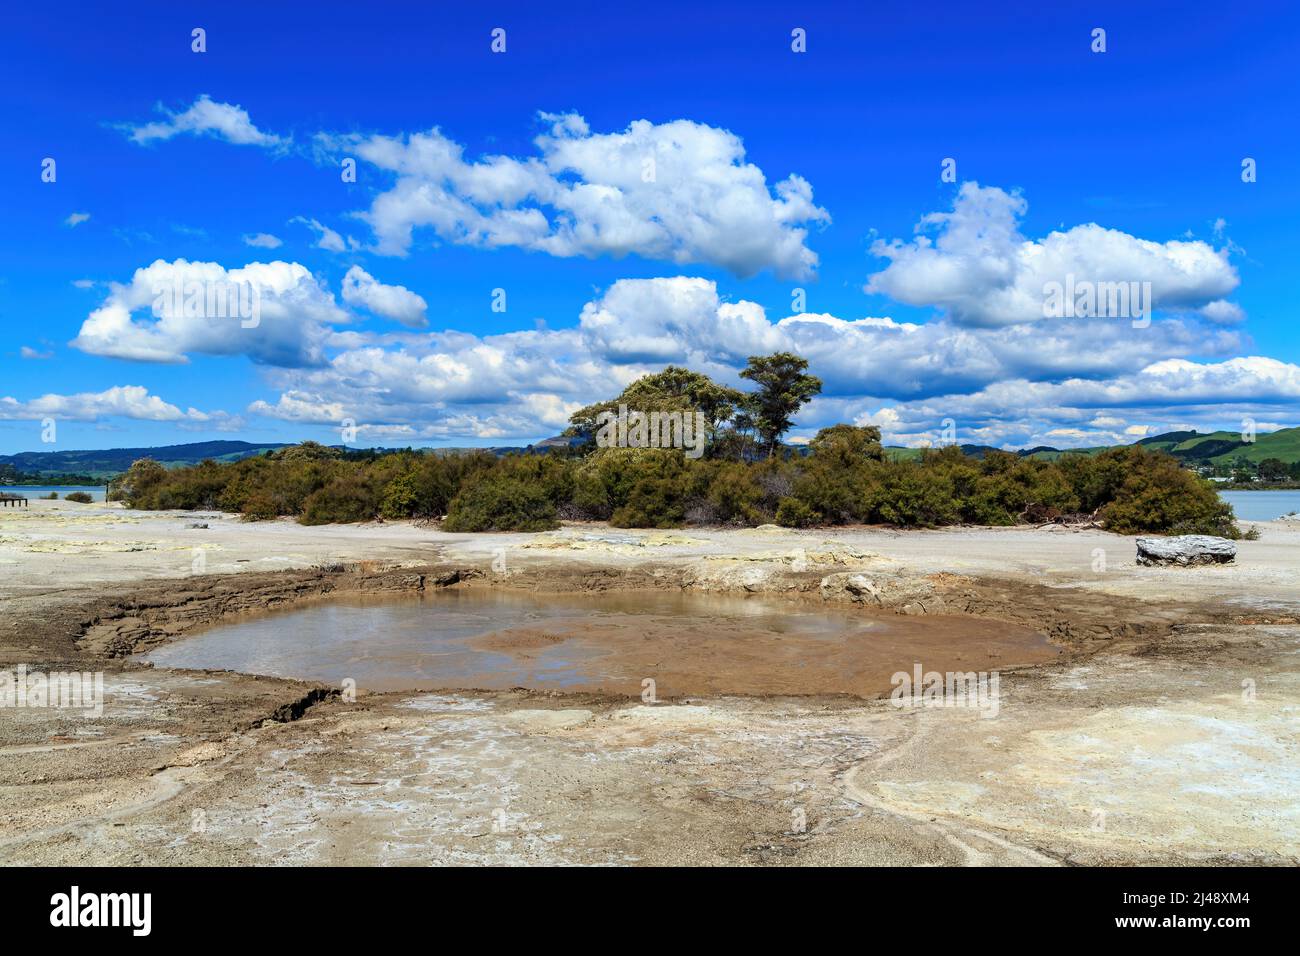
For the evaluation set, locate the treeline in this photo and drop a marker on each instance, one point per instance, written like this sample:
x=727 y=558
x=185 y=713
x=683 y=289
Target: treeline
x=1271 y=471
x=746 y=477
x=9 y=475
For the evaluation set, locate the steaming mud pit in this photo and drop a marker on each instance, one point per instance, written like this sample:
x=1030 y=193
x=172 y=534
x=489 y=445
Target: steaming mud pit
x=689 y=645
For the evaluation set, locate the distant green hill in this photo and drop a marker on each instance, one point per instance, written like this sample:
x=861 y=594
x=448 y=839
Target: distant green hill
x=1168 y=440
x=112 y=461
x=1284 y=444
x=1047 y=453
x=1224 y=447
x=899 y=453
x=1194 y=448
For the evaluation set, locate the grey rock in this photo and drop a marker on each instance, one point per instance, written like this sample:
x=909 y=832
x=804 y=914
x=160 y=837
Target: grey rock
x=860 y=584
x=1185 y=550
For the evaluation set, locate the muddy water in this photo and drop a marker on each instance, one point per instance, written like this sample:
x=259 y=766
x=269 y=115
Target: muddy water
x=687 y=644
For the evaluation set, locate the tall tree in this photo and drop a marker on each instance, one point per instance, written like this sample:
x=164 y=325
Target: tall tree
x=784 y=387
x=673 y=389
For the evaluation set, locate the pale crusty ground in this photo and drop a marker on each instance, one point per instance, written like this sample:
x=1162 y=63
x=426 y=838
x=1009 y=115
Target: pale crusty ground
x=111 y=544
x=1185 y=751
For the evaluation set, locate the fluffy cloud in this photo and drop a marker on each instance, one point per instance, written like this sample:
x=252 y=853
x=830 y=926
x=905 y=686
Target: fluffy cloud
x=1223 y=312
x=329 y=240
x=981 y=271
x=1013 y=383
x=76 y=219
x=1082 y=381
x=1164 y=396
x=274 y=312
x=205 y=117
x=394 y=302
x=682 y=319
x=124 y=401
x=677 y=191
x=263 y=240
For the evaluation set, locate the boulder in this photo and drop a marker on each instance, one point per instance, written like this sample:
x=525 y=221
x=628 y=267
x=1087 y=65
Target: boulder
x=859 y=585
x=1185 y=550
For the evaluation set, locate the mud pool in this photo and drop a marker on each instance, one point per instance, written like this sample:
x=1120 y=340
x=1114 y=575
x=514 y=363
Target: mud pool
x=687 y=644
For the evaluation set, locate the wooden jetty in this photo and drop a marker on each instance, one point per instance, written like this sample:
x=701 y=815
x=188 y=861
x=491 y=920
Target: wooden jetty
x=7 y=500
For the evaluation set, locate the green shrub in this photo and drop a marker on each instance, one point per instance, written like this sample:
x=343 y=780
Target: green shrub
x=501 y=503
x=1162 y=496
x=345 y=500
x=403 y=498
x=80 y=497
x=258 y=507
x=910 y=494
x=618 y=470
x=793 y=513
x=652 y=503
x=143 y=478
x=590 y=499
x=736 y=495
x=842 y=466
x=435 y=479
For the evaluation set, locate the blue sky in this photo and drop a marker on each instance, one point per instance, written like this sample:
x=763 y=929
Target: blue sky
x=774 y=171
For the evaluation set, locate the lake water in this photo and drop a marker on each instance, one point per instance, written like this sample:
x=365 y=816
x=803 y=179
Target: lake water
x=1262 y=505
x=39 y=491
x=687 y=644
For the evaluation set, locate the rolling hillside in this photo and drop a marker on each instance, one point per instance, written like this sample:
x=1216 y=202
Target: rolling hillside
x=1284 y=444
x=1224 y=447
x=112 y=461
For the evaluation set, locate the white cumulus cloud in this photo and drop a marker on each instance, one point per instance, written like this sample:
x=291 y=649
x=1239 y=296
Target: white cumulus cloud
x=205 y=117
x=125 y=401
x=391 y=301
x=263 y=240
x=679 y=191
x=1083 y=375
x=980 y=270
x=146 y=320
x=329 y=240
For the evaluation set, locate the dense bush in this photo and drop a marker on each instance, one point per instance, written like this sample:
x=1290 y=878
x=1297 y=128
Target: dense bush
x=844 y=477
x=501 y=503
x=793 y=513
x=347 y=498
x=835 y=483
x=80 y=497
x=1158 y=494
